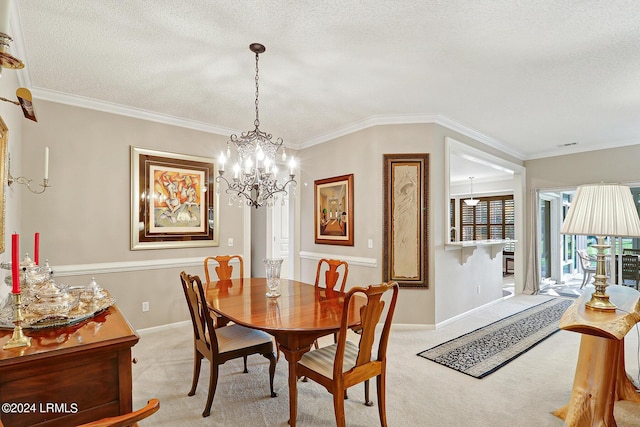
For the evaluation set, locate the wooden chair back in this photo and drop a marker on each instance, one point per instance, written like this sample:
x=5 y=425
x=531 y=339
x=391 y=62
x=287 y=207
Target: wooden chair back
x=370 y=315
x=203 y=326
x=223 y=269
x=130 y=419
x=333 y=269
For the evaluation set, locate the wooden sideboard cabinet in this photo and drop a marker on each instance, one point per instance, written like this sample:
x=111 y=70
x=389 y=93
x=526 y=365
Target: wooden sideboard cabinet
x=69 y=375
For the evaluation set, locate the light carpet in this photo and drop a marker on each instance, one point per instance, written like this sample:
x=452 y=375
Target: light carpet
x=522 y=394
x=487 y=349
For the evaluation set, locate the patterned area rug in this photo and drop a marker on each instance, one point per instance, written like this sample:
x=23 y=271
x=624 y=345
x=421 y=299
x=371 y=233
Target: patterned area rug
x=487 y=349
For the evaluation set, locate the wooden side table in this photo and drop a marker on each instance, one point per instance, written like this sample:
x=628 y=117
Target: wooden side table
x=600 y=379
x=69 y=375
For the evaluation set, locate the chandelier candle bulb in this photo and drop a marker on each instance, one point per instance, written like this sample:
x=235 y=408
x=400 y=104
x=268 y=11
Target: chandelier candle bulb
x=221 y=162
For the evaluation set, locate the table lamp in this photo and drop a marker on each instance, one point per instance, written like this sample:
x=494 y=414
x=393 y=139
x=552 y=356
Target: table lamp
x=602 y=210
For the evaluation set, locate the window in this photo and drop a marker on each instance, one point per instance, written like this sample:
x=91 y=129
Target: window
x=491 y=218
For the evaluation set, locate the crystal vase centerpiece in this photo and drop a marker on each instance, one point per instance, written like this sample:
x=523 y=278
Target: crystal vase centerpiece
x=272 y=267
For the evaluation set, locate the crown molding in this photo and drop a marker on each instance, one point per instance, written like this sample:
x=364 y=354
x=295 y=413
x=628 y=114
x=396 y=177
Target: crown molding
x=414 y=119
x=113 y=108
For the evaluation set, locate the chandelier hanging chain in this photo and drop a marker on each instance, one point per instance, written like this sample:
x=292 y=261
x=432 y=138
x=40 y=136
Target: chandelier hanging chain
x=257 y=121
x=255 y=175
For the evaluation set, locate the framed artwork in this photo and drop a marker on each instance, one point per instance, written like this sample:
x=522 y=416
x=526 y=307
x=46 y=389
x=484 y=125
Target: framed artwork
x=173 y=202
x=4 y=141
x=334 y=210
x=406 y=212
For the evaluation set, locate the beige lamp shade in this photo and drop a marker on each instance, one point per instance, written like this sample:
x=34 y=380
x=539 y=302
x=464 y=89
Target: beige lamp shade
x=602 y=210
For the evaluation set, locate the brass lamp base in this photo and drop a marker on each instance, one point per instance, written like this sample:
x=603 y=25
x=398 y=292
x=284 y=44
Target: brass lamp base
x=600 y=301
x=599 y=298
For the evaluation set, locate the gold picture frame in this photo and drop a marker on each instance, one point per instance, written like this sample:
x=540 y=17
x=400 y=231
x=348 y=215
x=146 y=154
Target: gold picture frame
x=173 y=200
x=4 y=143
x=406 y=214
x=333 y=202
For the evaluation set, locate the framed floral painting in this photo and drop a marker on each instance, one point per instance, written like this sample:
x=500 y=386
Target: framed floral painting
x=173 y=203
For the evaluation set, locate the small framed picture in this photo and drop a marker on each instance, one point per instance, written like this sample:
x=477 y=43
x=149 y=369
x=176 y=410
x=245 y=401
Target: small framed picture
x=334 y=210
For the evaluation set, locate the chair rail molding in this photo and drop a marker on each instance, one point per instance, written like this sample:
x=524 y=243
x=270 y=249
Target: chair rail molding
x=352 y=260
x=124 y=266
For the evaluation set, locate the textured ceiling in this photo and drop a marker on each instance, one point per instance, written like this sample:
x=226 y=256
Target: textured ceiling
x=526 y=77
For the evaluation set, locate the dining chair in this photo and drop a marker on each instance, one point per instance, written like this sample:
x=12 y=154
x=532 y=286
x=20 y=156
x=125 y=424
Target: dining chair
x=631 y=268
x=220 y=344
x=130 y=419
x=341 y=365
x=587 y=264
x=333 y=269
x=223 y=269
x=332 y=273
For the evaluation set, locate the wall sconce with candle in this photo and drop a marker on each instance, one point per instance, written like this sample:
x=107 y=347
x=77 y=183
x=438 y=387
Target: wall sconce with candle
x=26 y=181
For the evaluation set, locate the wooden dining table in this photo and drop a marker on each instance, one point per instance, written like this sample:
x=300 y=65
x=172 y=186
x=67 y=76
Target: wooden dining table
x=300 y=315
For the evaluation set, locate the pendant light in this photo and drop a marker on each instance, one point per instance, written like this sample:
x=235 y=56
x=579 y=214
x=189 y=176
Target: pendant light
x=471 y=201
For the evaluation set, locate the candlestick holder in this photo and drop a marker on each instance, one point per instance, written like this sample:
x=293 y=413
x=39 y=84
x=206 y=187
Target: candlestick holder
x=18 y=339
x=26 y=181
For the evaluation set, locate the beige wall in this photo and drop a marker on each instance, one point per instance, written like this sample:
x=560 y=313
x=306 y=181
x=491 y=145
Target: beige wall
x=84 y=218
x=610 y=165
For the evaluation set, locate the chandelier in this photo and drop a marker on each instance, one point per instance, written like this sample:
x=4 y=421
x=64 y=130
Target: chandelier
x=255 y=174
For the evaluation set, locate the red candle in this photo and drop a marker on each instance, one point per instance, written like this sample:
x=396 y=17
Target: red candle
x=15 y=263
x=36 y=249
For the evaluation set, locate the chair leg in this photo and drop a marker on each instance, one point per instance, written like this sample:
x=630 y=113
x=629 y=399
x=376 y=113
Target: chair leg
x=197 y=360
x=584 y=279
x=338 y=408
x=245 y=364
x=382 y=409
x=272 y=370
x=213 y=382
x=367 y=401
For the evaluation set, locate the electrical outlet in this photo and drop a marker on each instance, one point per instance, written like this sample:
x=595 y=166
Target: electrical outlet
x=478 y=288
x=230 y=241
x=145 y=306
x=370 y=243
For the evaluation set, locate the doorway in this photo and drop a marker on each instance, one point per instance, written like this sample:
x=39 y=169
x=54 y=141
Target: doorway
x=272 y=233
